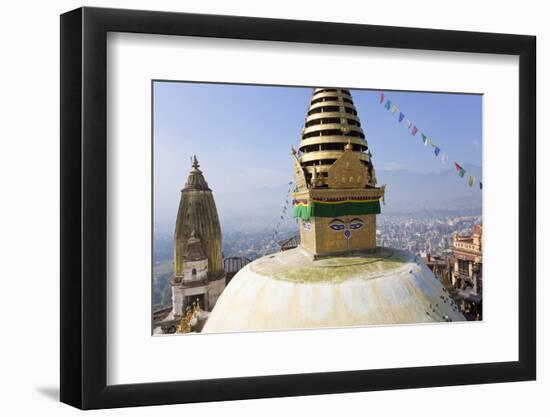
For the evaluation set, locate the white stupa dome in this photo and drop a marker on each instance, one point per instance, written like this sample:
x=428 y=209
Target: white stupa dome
x=291 y=290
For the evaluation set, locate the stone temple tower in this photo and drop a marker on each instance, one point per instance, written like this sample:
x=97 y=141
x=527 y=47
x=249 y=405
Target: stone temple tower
x=198 y=263
x=336 y=197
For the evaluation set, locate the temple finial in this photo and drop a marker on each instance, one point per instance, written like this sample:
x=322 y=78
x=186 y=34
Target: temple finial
x=195 y=162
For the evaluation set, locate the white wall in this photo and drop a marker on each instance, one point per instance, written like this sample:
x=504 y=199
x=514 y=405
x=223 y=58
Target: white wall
x=29 y=176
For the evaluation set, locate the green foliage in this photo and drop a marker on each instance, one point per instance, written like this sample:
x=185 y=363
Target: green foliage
x=162 y=272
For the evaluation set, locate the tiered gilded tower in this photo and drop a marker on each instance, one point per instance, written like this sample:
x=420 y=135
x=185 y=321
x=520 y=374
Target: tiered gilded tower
x=198 y=263
x=336 y=197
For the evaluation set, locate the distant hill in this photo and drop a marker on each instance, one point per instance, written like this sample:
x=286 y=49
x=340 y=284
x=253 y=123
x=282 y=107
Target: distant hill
x=408 y=191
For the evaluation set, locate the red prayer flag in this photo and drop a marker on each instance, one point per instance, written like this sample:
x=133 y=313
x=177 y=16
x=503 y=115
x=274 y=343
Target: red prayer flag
x=414 y=130
x=381 y=97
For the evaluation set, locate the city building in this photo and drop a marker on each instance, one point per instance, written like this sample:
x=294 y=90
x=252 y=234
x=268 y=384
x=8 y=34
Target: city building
x=232 y=265
x=440 y=266
x=337 y=276
x=199 y=275
x=467 y=275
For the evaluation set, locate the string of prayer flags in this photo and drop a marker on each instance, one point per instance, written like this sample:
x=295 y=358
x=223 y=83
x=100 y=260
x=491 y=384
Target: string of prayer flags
x=427 y=141
x=281 y=218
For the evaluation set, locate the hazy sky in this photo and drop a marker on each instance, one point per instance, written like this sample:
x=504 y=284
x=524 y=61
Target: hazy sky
x=242 y=135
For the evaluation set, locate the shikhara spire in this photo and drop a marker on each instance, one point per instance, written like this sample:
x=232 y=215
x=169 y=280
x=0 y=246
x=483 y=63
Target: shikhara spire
x=198 y=262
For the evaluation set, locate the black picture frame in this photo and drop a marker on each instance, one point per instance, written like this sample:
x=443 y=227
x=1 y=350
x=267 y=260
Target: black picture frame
x=84 y=207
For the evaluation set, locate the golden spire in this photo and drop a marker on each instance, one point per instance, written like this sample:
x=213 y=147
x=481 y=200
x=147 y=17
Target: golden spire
x=336 y=195
x=332 y=126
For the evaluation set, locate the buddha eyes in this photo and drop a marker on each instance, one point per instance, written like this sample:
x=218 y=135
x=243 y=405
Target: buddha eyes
x=338 y=225
x=356 y=224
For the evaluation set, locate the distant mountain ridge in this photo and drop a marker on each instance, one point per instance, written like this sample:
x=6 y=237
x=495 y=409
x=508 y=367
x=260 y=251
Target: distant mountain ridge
x=406 y=192
x=443 y=190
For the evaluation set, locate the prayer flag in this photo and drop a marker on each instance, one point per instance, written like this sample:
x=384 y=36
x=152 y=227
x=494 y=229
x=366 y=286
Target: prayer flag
x=290 y=183
x=461 y=171
x=401 y=116
x=436 y=151
x=381 y=97
x=444 y=158
x=480 y=185
x=394 y=109
x=409 y=124
x=471 y=180
x=414 y=130
x=388 y=105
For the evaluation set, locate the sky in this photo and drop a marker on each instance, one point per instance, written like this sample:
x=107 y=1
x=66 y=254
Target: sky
x=242 y=136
